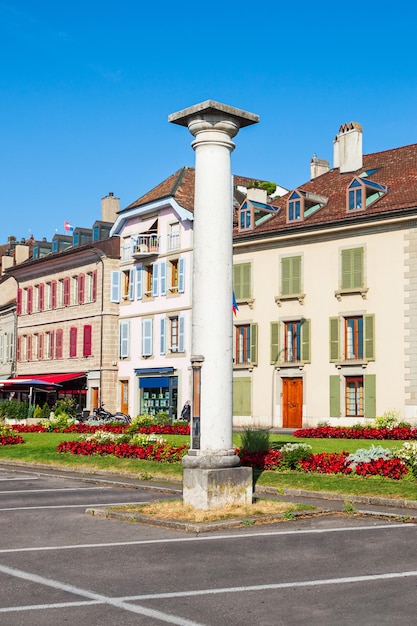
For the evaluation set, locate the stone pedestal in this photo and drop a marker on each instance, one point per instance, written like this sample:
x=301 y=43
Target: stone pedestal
x=209 y=489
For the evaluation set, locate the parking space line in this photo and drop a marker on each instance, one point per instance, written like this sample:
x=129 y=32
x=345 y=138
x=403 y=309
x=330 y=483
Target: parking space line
x=71 y=506
x=96 y=598
x=231 y=536
x=51 y=490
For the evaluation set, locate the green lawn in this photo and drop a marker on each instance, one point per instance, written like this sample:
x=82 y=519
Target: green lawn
x=41 y=448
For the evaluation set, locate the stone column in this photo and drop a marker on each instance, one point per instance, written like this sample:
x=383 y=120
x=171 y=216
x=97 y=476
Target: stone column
x=213 y=125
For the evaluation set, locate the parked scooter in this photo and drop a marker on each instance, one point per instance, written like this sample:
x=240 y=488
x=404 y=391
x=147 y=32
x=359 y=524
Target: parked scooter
x=105 y=416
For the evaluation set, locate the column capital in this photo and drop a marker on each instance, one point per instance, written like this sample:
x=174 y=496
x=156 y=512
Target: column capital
x=214 y=113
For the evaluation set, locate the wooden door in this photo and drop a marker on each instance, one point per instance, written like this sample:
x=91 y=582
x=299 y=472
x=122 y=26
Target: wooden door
x=292 y=402
x=124 y=399
x=94 y=398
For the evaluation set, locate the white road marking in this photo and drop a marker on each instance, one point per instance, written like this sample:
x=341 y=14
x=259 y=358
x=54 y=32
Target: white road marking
x=97 y=598
x=53 y=490
x=185 y=539
x=19 y=478
x=72 y=506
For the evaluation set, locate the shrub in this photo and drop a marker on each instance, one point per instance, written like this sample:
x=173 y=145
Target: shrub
x=58 y=423
x=254 y=441
x=388 y=420
x=14 y=410
x=66 y=406
x=292 y=453
x=367 y=455
x=408 y=454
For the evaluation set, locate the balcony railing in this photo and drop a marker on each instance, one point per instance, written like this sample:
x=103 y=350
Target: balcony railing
x=144 y=245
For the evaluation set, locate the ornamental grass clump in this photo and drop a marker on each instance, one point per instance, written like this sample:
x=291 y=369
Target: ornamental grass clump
x=254 y=447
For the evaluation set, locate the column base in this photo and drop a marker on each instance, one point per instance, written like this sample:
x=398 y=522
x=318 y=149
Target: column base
x=208 y=489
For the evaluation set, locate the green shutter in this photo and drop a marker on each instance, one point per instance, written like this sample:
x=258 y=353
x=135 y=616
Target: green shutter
x=369 y=337
x=274 y=354
x=296 y=274
x=242 y=281
x=241 y=396
x=290 y=276
x=334 y=396
x=352 y=268
x=254 y=344
x=305 y=341
x=370 y=395
x=334 y=339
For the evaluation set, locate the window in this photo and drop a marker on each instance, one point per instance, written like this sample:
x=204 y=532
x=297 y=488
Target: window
x=40 y=347
x=242 y=281
x=354 y=397
x=29 y=348
x=174 y=236
x=151 y=280
x=362 y=193
x=87 y=340
x=127 y=284
x=124 y=339
x=302 y=204
x=49 y=346
x=89 y=287
x=246 y=336
x=147 y=338
x=358 y=338
x=176 y=269
x=73 y=342
x=290 y=342
x=245 y=218
x=75 y=290
x=176 y=327
x=290 y=276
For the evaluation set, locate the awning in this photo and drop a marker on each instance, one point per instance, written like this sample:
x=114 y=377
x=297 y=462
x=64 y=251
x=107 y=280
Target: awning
x=27 y=382
x=55 y=378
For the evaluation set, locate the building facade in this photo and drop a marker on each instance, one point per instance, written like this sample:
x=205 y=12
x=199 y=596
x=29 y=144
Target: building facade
x=326 y=289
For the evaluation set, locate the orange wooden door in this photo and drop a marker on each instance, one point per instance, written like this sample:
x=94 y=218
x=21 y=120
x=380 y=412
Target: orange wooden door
x=292 y=401
x=94 y=398
x=124 y=400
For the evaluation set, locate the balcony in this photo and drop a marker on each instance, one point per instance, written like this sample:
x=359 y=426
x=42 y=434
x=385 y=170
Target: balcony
x=144 y=245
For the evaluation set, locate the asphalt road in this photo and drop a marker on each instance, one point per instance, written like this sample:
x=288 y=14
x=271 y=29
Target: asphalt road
x=59 y=565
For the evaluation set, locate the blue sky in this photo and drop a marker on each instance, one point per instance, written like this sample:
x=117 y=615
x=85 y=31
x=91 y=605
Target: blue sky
x=87 y=87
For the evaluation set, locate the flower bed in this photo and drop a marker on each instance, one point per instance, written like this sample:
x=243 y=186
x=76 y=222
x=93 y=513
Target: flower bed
x=8 y=440
x=160 y=452
x=338 y=432
x=169 y=429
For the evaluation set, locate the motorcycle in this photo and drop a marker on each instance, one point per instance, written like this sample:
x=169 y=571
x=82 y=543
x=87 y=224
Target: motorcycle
x=105 y=416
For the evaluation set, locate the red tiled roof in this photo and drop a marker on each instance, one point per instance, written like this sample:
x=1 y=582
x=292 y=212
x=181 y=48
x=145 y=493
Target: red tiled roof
x=397 y=169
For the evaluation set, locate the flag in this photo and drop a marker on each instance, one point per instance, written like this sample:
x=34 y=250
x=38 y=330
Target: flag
x=234 y=305
x=68 y=228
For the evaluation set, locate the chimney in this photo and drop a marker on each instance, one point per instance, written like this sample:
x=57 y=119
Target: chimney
x=110 y=208
x=21 y=253
x=318 y=167
x=257 y=194
x=347 y=154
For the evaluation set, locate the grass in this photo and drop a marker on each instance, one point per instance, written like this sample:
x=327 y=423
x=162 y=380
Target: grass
x=176 y=510
x=41 y=448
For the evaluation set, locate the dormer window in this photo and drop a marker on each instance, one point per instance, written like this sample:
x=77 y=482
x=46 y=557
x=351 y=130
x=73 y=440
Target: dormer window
x=361 y=193
x=245 y=219
x=302 y=204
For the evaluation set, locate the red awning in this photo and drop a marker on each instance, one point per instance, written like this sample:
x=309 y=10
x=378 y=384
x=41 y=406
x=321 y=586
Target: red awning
x=56 y=378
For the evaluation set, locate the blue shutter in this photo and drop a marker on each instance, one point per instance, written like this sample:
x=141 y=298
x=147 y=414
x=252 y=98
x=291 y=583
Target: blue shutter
x=124 y=339
x=162 y=342
x=163 y=278
x=131 y=283
x=155 y=279
x=147 y=337
x=115 y=286
x=181 y=278
x=181 y=333
x=139 y=282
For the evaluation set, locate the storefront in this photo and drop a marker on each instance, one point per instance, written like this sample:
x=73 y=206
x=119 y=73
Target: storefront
x=158 y=391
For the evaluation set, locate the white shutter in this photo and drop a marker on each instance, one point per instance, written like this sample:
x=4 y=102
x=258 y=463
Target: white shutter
x=163 y=278
x=115 y=286
x=155 y=280
x=139 y=282
x=124 y=339
x=162 y=341
x=181 y=333
x=147 y=337
x=181 y=275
